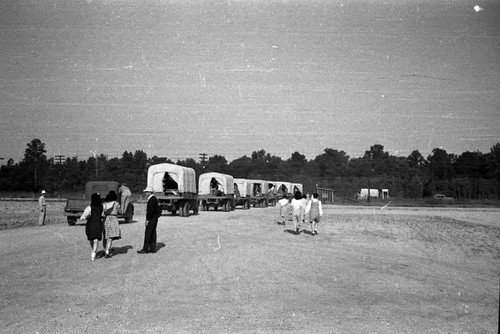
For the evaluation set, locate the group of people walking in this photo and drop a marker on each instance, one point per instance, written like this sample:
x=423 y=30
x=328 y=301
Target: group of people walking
x=302 y=207
x=102 y=222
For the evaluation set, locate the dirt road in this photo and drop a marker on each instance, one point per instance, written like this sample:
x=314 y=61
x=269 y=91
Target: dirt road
x=368 y=271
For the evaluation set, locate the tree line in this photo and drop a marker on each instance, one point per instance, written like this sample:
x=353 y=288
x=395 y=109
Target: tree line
x=470 y=175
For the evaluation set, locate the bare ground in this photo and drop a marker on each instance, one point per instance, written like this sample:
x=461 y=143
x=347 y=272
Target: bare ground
x=369 y=270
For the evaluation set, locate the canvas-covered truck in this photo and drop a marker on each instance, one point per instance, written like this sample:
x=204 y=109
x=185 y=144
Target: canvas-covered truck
x=258 y=195
x=75 y=206
x=216 y=190
x=272 y=197
x=175 y=188
x=242 y=193
x=283 y=189
x=297 y=187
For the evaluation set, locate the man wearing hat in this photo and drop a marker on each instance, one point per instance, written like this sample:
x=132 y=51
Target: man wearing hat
x=153 y=212
x=42 y=207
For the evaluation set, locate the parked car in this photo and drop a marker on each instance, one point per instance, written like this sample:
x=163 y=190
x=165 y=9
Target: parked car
x=442 y=197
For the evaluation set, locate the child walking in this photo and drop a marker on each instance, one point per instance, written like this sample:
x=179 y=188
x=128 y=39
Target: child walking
x=297 y=210
x=315 y=211
x=283 y=204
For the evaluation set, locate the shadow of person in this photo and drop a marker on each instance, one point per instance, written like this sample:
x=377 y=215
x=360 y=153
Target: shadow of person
x=308 y=232
x=159 y=245
x=124 y=222
x=292 y=231
x=121 y=250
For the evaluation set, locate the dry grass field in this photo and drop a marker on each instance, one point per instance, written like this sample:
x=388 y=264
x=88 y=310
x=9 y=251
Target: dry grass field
x=370 y=270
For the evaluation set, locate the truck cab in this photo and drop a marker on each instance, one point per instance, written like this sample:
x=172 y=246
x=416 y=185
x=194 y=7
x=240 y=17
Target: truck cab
x=75 y=206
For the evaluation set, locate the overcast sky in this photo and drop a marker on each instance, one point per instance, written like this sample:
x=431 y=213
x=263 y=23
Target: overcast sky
x=180 y=78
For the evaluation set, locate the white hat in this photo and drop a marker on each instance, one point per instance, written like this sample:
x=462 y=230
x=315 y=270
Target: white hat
x=148 y=189
x=43 y=191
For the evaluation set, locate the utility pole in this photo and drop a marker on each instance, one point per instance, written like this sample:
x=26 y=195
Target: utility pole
x=95 y=157
x=59 y=158
x=203 y=159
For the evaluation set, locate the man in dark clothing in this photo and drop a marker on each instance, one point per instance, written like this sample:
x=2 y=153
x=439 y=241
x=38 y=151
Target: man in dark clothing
x=153 y=212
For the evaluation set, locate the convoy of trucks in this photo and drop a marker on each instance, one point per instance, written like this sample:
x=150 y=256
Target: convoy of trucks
x=177 y=191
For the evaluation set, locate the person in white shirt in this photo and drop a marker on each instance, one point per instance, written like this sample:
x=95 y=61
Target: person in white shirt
x=42 y=208
x=283 y=204
x=315 y=211
x=297 y=209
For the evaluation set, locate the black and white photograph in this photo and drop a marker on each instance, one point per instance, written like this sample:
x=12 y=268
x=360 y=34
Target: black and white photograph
x=249 y=166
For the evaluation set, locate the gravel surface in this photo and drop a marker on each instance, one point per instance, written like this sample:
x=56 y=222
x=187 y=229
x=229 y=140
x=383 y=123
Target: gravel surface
x=370 y=270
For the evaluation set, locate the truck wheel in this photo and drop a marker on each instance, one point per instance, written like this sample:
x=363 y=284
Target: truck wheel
x=185 y=209
x=174 y=212
x=225 y=206
x=246 y=205
x=129 y=214
x=71 y=221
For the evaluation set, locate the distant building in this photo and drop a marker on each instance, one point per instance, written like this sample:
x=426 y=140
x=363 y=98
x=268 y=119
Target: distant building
x=374 y=193
x=325 y=195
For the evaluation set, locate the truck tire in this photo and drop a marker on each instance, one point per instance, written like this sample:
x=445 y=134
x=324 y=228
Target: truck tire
x=129 y=214
x=184 y=210
x=71 y=221
x=226 y=206
x=246 y=205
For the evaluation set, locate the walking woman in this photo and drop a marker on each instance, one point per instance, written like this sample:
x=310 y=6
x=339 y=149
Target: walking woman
x=93 y=227
x=111 y=208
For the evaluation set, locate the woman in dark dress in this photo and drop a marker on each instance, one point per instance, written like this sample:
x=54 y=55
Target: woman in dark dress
x=94 y=227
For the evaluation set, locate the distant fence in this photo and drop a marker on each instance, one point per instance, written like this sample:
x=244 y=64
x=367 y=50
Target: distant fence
x=325 y=195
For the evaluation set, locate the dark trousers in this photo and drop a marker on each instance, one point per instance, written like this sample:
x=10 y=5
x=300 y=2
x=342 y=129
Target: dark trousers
x=150 y=236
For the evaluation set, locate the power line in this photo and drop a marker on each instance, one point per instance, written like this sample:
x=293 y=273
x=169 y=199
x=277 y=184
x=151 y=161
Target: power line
x=203 y=159
x=59 y=158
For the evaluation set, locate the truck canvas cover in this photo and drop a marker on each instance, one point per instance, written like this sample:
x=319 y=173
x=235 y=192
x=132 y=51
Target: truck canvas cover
x=298 y=186
x=244 y=187
x=184 y=176
x=226 y=182
x=263 y=185
x=278 y=186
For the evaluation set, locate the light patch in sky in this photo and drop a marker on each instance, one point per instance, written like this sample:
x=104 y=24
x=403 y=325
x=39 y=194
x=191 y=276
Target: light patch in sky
x=176 y=79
